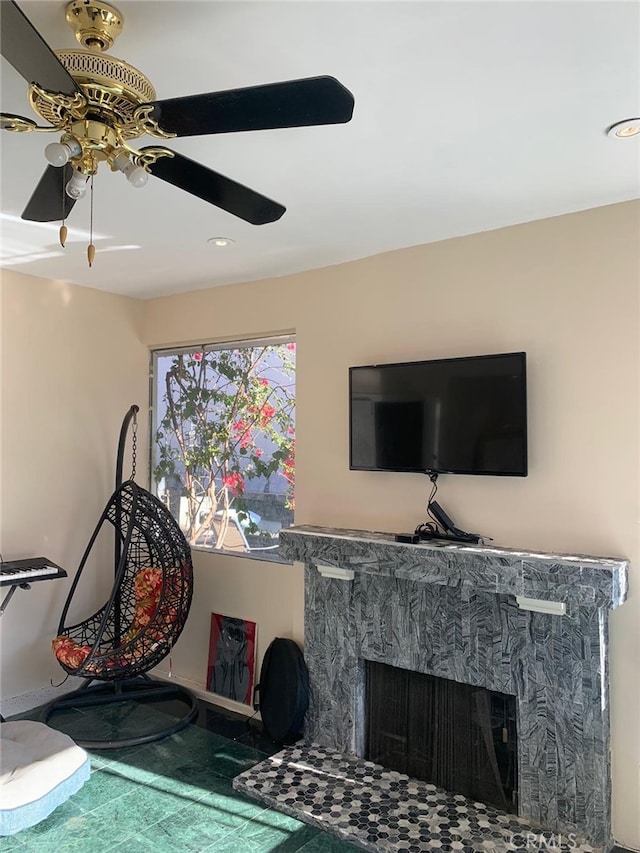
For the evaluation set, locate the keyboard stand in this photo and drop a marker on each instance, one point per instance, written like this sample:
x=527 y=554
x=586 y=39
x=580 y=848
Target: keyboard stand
x=23 y=578
x=17 y=574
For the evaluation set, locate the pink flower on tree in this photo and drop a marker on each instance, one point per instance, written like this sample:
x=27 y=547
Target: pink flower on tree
x=234 y=482
x=266 y=413
x=288 y=468
x=242 y=429
x=197 y=356
x=288 y=472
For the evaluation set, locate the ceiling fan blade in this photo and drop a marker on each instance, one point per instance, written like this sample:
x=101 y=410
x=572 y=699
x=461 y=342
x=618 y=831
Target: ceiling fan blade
x=293 y=103
x=49 y=201
x=214 y=188
x=23 y=46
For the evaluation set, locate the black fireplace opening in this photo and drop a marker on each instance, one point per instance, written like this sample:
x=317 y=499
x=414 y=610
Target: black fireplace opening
x=457 y=736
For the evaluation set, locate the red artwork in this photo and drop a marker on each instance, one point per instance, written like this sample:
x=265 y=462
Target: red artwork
x=232 y=658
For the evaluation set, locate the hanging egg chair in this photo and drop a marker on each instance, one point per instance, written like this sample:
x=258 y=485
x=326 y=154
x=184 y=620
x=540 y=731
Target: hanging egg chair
x=136 y=628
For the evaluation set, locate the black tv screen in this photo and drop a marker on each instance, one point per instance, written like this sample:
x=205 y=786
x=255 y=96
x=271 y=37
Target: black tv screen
x=452 y=415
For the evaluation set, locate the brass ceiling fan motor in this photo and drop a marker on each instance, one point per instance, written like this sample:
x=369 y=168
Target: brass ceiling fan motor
x=113 y=88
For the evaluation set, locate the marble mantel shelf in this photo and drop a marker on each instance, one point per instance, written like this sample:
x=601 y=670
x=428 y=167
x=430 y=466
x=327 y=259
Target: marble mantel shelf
x=577 y=579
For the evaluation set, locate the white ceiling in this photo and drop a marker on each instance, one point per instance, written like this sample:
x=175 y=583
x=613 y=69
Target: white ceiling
x=469 y=116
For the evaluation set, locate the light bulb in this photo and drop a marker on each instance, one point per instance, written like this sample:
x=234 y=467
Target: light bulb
x=77 y=186
x=59 y=153
x=625 y=129
x=631 y=130
x=136 y=175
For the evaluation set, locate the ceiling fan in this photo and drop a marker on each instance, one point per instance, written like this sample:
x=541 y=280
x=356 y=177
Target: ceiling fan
x=97 y=104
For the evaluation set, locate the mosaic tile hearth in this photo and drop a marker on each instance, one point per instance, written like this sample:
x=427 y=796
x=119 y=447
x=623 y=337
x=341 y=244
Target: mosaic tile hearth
x=387 y=812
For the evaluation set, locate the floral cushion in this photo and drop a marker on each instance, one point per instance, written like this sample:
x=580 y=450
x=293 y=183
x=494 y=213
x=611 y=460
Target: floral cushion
x=148 y=589
x=70 y=653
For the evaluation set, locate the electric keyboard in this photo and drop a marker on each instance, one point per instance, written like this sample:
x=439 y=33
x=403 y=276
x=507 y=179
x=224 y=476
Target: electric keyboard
x=13 y=572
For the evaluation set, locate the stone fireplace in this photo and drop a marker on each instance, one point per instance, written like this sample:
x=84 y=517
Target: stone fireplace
x=530 y=625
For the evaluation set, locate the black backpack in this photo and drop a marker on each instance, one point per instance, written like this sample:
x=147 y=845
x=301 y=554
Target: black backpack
x=283 y=690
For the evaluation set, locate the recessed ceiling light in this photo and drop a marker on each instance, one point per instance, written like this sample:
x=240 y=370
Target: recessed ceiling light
x=220 y=241
x=622 y=129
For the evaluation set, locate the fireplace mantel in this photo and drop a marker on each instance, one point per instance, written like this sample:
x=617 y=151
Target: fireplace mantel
x=575 y=578
x=461 y=612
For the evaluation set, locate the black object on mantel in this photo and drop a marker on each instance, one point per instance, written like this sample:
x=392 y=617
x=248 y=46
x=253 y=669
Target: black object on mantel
x=451 y=532
x=465 y=538
x=408 y=538
x=429 y=535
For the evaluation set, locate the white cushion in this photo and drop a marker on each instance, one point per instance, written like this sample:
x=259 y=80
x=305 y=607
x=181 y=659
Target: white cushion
x=40 y=768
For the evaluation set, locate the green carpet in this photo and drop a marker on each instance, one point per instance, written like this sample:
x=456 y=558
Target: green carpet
x=170 y=796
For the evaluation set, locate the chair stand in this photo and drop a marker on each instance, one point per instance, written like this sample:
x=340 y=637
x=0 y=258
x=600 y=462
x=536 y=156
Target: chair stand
x=141 y=688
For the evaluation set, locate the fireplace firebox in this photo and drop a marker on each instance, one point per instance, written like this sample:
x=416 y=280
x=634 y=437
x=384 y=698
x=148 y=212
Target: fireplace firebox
x=459 y=737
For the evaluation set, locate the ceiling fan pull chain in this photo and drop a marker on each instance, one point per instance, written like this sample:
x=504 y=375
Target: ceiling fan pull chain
x=63 y=227
x=91 y=249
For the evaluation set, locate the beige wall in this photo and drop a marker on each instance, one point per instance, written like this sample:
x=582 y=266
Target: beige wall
x=71 y=365
x=566 y=291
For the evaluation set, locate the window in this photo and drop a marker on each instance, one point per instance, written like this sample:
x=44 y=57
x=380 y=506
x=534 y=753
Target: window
x=223 y=442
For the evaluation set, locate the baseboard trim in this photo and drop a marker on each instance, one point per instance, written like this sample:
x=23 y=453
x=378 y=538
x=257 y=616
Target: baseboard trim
x=36 y=698
x=201 y=692
x=28 y=701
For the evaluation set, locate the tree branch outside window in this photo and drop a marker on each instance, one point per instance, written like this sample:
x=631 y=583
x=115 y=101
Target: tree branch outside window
x=224 y=454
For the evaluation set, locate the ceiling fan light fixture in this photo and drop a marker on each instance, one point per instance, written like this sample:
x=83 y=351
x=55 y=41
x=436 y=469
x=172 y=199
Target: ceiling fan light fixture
x=77 y=186
x=98 y=102
x=624 y=129
x=136 y=175
x=59 y=153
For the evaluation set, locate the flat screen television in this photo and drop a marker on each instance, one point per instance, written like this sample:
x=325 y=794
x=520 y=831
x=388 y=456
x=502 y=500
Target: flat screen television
x=451 y=415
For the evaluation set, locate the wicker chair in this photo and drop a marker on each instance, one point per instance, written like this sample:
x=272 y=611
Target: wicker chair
x=141 y=620
x=148 y=606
